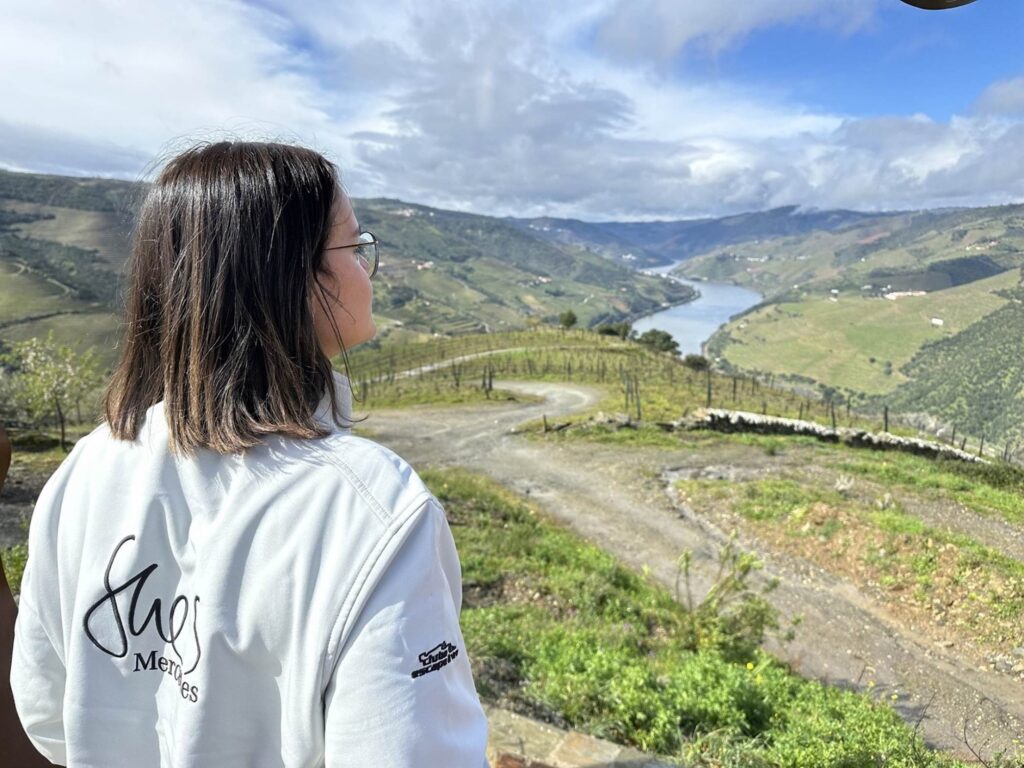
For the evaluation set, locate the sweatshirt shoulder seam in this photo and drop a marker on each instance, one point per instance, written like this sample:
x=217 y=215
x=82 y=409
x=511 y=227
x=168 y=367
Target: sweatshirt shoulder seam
x=382 y=515
x=366 y=580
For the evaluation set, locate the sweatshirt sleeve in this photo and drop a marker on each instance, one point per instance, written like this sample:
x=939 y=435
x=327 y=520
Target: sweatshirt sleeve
x=37 y=662
x=402 y=693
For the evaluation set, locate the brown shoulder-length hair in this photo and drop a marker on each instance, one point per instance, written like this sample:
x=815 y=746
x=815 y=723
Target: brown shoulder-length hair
x=226 y=253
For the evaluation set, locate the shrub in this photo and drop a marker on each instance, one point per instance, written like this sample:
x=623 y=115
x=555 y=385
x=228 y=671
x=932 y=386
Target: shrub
x=623 y=330
x=732 y=618
x=659 y=341
x=696 y=362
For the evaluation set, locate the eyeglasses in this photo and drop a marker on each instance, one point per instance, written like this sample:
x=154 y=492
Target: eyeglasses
x=366 y=250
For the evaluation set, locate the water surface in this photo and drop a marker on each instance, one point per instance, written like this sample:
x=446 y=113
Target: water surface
x=693 y=324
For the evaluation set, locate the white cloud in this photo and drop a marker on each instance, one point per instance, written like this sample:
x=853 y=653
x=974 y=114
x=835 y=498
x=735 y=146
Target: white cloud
x=503 y=108
x=1005 y=97
x=36 y=150
x=140 y=75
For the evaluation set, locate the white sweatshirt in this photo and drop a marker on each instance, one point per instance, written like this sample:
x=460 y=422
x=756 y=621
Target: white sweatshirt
x=294 y=606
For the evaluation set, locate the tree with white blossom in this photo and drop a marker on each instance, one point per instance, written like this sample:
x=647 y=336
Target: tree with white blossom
x=50 y=378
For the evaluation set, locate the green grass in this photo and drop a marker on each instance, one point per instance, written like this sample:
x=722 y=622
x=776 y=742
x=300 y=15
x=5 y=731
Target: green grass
x=988 y=490
x=975 y=379
x=409 y=395
x=25 y=294
x=601 y=648
x=103 y=231
x=834 y=342
x=96 y=328
x=14 y=558
x=641 y=435
x=777 y=497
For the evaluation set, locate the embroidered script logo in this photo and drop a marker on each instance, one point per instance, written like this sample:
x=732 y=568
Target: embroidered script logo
x=435 y=658
x=107 y=608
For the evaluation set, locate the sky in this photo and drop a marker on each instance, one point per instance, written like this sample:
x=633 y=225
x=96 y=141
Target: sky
x=591 y=109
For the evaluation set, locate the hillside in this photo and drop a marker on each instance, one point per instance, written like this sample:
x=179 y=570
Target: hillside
x=64 y=242
x=922 y=250
x=975 y=378
x=850 y=340
x=452 y=272
x=910 y=310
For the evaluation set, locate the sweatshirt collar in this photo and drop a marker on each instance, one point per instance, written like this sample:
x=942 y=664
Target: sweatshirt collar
x=343 y=389
x=322 y=415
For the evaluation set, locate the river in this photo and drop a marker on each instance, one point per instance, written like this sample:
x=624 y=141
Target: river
x=693 y=323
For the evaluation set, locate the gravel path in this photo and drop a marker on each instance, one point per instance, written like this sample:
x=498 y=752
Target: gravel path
x=617 y=499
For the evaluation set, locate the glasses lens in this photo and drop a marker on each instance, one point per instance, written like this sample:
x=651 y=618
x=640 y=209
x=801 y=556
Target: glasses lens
x=368 y=252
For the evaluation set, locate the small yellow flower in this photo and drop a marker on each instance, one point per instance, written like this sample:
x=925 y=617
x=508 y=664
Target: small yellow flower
x=871 y=683
x=894 y=697
x=750 y=665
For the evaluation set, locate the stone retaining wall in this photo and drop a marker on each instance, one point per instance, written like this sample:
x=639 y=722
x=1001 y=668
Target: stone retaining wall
x=516 y=741
x=721 y=420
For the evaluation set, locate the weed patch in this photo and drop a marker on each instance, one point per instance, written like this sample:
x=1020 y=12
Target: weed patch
x=14 y=558
x=947 y=579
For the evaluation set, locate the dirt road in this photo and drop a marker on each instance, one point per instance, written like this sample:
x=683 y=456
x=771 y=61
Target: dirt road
x=618 y=499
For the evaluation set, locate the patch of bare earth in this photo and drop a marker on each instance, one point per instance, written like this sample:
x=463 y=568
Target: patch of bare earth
x=955 y=604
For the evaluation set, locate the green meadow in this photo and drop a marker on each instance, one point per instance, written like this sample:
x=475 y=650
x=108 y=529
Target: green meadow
x=855 y=342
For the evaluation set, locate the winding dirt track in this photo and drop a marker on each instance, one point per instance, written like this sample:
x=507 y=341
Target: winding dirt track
x=617 y=499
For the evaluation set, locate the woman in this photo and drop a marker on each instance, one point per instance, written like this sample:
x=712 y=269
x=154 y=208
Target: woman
x=221 y=574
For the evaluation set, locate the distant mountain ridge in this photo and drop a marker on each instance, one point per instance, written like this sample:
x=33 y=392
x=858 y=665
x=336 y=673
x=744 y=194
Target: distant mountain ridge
x=657 y=243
